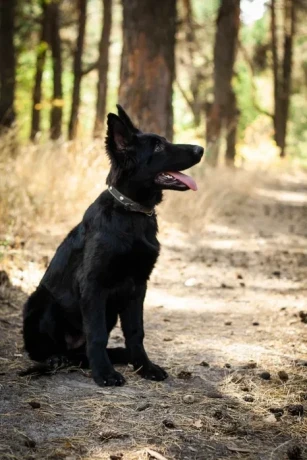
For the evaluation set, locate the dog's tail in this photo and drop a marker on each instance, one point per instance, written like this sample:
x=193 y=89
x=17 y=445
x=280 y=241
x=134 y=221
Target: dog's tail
x=118 y=355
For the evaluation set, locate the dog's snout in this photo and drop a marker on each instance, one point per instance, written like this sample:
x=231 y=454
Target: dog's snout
x=198 y=150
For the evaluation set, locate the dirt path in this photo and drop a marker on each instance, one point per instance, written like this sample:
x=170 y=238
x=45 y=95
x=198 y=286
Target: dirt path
x=223 y=317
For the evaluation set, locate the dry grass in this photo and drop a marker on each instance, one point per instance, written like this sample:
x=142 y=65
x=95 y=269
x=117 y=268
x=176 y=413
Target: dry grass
x=50 y=181
x=57 y=181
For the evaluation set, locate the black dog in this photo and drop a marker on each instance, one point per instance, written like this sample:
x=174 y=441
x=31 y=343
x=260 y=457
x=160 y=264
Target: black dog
x=101 y=269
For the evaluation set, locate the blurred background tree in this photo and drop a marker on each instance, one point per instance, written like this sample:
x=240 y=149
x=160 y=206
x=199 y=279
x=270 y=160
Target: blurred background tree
x=212 y=71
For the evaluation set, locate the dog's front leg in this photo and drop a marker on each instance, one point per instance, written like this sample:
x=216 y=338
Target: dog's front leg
x=133 y=329
x=94 y=317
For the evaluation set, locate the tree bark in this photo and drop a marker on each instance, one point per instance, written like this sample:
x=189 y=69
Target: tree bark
x=276 y=77
x=226 y=41
x=103 y=67
x=195 y=74
x=148 y=63
x=41 y=53
x=77 y=70
x=289 y=26
x=7 y=63
x=55 y=44
x=282 y=71
x=231 y=129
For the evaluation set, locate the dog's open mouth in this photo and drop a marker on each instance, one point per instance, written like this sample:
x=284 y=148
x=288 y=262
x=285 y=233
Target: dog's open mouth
x=176 y=180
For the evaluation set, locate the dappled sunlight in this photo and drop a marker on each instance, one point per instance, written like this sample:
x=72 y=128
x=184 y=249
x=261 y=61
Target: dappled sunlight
x=295 y=198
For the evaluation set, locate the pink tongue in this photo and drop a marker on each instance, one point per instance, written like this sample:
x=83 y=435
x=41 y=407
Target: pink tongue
x=187 y=180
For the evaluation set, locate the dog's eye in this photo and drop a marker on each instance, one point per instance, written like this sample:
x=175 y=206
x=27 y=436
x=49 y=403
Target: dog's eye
x=158 y=147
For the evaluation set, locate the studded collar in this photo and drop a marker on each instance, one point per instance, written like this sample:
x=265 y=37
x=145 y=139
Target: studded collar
x=129 y=204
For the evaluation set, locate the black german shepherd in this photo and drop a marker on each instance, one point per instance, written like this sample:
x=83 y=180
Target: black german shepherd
x=101 y=269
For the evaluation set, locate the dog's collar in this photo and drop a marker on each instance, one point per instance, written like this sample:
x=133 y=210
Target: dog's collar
x=128 y=204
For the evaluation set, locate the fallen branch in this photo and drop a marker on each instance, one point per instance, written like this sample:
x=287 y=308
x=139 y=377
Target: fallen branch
x=155 y=454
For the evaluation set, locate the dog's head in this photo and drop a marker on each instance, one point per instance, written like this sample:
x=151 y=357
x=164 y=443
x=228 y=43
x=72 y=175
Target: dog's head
x=146 y=158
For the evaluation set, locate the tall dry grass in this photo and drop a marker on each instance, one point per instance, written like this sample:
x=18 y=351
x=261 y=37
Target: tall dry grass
x=52 y=182
x=57 y=181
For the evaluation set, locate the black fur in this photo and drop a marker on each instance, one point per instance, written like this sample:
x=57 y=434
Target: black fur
x=101 y=269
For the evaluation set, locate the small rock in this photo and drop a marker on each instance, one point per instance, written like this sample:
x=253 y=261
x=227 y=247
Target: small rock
x=218 y=414
x=34 y=404
x=188 y=399
x=270 y=418
x=276 y=273
x=184 y=375
x=255 y=323
x=248 y=398
x=284 y=377
x=228 y=323
x=245 y=389
x=295 y=409
x=204 y=364
x=167 y=339
x=30 y=443
x=294 y=453
x=239 y=276
x=226 y=286
x=265 y=375
x=276 y=410
x=249 y=365
x=190 y=282
x=116 y=456
x=143 y=407
x=242 y=284
x=227 y=365
x=301 y=362
x=169 y=423
x=303 y=316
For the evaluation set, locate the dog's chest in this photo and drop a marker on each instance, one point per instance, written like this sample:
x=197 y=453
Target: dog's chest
x=142 y=258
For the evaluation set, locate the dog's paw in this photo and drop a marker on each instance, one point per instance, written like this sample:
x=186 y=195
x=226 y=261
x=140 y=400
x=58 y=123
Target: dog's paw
x=112 y=379
x=152 y=371
x=57 y=361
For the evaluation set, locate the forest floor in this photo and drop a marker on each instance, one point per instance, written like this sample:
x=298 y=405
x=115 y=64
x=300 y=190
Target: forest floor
x=226 y=315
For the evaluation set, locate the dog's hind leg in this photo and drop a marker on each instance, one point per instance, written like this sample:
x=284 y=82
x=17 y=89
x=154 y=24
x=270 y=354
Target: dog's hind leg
x=42 y=326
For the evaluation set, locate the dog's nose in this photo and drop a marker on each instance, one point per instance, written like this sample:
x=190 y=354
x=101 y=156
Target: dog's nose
x=198 y=150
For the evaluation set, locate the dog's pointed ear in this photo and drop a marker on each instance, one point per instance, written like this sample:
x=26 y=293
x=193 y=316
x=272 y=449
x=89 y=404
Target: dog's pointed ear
x=125 y=118
x=118 y=137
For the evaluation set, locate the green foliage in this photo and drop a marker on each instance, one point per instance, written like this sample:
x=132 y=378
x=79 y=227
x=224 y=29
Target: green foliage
x=256 y=33
x=244 y=90
x=203 y=10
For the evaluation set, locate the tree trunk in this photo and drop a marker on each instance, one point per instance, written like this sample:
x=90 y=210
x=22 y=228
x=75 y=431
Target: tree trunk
x=103 y=66
x=195 y=74
x=41 y=52
x=289 y=27
x=226 y=41
x=7 y=63
x=282 y=71
x=55 y=44
x=77 y=71
x=231 y=129
x=148 y=63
